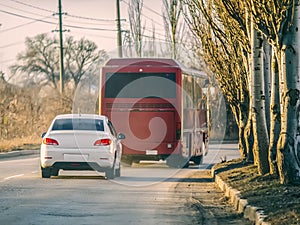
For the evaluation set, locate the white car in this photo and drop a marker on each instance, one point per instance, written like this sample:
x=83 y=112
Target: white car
x=81 y=142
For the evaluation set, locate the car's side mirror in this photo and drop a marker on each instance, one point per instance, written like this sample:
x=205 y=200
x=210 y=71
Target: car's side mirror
x=121 y=136
x=43 y=134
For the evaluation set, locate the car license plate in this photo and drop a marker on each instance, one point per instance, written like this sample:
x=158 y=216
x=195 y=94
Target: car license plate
x=76 y=157
x=151 y=152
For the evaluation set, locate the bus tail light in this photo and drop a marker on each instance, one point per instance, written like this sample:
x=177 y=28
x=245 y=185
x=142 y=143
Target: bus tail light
x=50 y=141
x=103 y=142
x=178 y=130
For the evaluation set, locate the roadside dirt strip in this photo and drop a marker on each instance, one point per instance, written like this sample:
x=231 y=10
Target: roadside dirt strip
x=18 y=153
x=252 y=213
x=213 y=206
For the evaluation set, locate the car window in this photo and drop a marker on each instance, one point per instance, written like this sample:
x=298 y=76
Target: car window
x=112 y=129
x=78 y=124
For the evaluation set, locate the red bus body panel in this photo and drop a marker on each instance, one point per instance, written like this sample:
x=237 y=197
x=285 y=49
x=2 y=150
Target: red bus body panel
x=154 y=127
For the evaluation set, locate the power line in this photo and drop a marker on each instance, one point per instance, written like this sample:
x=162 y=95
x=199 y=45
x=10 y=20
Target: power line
x=86 y=23
x=88 y=28
x=21 y=25
x=93 y=19
x=151 y=10
x=12 y=44
x=95 y=35
x=32 y=6
x=66 y=25
x=53 y=23
x=21 y=10
x=154 y=21
x=74 y=16
x=27 y=17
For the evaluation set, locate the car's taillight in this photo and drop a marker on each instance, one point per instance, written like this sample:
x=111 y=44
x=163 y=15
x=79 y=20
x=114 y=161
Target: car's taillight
x=102 y=142
x=50 y=141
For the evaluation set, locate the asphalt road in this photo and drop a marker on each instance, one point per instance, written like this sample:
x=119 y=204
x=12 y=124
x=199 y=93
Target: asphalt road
x=147 y=193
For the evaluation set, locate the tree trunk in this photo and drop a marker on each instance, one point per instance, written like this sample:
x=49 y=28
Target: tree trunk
x=267 y=77
x=288 y=147
x=274 y=115
x=248 y=133
x=249 y=139
x=240 y=115
x=242 y=125
x=261 y=140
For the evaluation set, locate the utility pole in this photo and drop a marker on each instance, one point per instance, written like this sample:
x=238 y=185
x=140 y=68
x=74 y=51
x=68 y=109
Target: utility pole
x=61 y=47
x=120 y=53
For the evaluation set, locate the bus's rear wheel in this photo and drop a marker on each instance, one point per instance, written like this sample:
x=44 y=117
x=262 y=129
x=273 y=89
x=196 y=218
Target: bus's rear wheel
x=177 y=161
x=198 y=159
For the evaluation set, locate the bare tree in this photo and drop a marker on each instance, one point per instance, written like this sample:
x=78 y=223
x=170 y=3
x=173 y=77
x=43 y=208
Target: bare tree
x=41 y=62
x=127 y=43
x=81 y=57
x=150 y=44
x=173 y=24
x=279 y=22
x=136 y=27
x=223 y=42
x=257 y=96
x=274 y=115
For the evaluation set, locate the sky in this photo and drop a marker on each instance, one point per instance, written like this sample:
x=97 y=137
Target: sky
x=91 y=19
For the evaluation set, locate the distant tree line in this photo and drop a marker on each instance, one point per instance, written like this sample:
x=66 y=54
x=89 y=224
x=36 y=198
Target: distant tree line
x=27 y=109
x=40 y=61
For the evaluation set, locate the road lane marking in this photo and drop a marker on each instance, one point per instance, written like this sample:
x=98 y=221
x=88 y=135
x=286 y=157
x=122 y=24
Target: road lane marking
x=14 y=176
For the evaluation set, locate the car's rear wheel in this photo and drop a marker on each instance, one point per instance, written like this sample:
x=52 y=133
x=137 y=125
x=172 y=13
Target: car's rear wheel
x=118 y=171
x=46 y=172
x=110 y=173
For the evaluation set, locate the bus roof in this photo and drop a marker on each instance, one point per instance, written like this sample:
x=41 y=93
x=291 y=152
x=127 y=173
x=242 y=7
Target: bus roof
x=115 y=62
x=152 y=62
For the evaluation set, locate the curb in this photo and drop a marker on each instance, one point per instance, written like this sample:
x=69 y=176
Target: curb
x=18 y=153
x=252 y=213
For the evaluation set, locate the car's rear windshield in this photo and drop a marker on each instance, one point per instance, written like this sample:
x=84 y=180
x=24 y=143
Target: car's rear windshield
x=140 y=85
x=78 y=124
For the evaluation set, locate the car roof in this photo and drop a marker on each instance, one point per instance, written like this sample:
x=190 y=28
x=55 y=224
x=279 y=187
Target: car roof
x=84 y=116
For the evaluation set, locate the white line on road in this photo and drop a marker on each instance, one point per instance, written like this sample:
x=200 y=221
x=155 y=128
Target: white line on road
x=15 y=176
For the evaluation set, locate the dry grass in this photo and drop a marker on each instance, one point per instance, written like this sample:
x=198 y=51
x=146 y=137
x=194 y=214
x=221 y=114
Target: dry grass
x=281 y=203
x=25 y=143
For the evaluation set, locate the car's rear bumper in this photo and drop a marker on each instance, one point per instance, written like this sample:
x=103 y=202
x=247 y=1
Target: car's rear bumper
x=79 y=166
x=76 y=159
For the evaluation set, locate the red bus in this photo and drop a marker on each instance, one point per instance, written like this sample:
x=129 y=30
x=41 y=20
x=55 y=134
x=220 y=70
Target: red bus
x=159 y=106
